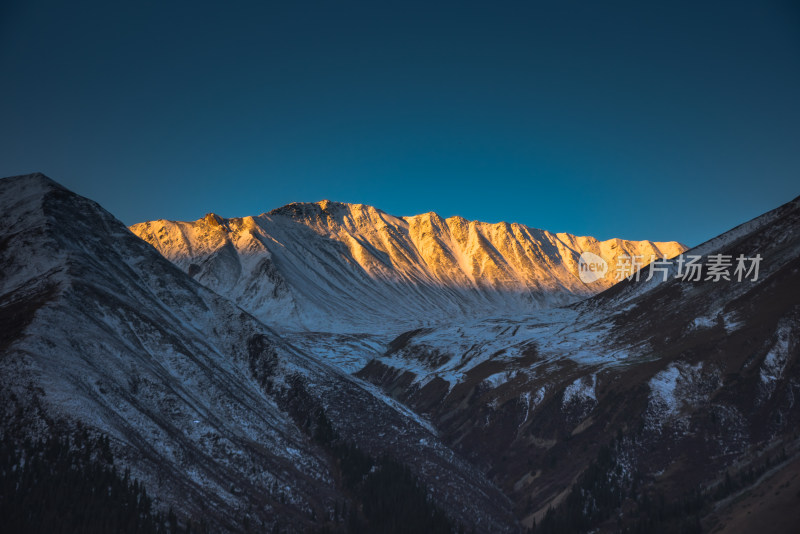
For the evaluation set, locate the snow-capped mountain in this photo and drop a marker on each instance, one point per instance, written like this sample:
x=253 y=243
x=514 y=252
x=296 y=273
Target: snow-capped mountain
x=206 y=405
x=330 y=266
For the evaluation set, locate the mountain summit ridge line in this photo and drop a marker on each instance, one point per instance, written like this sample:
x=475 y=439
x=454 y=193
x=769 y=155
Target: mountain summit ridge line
x=336 y=266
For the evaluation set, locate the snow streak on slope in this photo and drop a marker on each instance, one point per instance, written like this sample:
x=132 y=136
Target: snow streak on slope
x=349 y=267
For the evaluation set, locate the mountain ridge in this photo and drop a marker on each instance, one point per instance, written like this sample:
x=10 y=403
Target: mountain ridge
x=327 y=264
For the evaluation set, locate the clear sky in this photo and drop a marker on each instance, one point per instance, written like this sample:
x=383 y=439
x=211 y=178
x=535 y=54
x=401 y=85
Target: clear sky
x=652 y=120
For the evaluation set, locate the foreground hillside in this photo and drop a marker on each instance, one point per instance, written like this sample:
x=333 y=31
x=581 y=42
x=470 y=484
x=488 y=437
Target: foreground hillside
x=108 y=351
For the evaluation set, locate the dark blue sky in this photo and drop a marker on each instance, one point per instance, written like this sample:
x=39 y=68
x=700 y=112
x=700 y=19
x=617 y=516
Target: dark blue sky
x=643 y=120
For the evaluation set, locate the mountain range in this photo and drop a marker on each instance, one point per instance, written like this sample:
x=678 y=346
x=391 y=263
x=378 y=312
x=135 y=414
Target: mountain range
x=267 y=373
x=329 y=266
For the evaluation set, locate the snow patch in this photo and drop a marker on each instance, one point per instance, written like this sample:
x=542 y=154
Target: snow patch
x=677 y=386
x=774 y=363
x=662 y=391
x=703 y=322
x=731 y=322
x=582 y=389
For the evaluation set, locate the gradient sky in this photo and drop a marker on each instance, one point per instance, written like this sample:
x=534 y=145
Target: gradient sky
x=641 y=120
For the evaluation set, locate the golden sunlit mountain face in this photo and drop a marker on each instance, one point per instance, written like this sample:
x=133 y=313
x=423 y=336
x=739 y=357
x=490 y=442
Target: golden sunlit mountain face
x=365 y=259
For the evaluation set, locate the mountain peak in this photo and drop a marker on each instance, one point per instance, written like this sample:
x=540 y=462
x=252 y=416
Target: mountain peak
x=324 y=210
x=28 y=199
x=27 y=184
x=36 y=177
x=212 y=219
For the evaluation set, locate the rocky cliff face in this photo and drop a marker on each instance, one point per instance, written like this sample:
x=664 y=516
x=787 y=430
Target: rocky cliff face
x=330 y=266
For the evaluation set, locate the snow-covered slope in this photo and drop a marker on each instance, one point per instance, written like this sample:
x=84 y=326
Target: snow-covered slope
x=205 y=404
x=330 y=266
